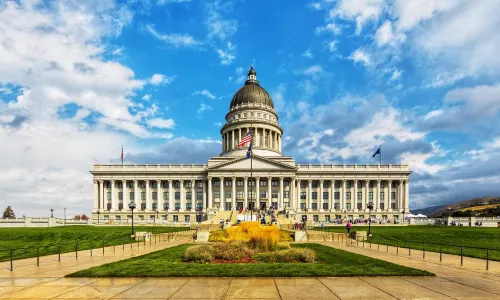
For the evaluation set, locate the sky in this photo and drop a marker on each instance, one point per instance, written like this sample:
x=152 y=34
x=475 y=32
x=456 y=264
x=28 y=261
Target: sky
x=79 y=79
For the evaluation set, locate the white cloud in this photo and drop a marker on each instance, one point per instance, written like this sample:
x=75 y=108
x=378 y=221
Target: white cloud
x=203 y=107
x=479 y=101
x=313 y=70
x=411 y=13
x=158 y=79
x=332 y=46
x=307 y=53
x=174 y=39
x=315 y=5
x=227 y=55
x=146 y=97
x=386 y=36
x=360 y=56
x=162 y=2
x=330 y=28
x=433 y=114
x=361 y=11
x=205 y=93
x=218 y=26
x=396 y=74
x=161 y=123
x=278 y=97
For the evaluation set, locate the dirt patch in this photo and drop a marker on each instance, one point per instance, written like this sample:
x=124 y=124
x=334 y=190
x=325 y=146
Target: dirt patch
x=246 y=260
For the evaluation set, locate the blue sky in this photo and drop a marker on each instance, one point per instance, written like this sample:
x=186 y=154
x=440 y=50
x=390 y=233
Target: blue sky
x=78 y=80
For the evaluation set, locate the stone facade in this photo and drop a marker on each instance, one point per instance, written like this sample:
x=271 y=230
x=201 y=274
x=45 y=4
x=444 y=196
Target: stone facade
x=185 y=193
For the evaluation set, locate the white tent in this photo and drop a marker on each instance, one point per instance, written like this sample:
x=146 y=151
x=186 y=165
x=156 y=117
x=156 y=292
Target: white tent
x=420 y=216
x=410 y=216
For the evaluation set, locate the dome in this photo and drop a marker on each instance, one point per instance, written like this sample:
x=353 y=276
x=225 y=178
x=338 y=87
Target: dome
x=251 y=92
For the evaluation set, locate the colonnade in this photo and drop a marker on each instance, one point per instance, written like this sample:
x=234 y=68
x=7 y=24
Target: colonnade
x=263 y=138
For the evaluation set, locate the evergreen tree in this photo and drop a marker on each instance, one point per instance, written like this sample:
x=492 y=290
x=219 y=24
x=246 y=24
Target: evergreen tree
x=8 y=213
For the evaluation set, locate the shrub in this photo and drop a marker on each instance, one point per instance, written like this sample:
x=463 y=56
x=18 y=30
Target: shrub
x=286 y=236
x=218 y=236
x=283 y=246
x=199 y=254
x=263 y=238
x=232 y=251
x=287 y=256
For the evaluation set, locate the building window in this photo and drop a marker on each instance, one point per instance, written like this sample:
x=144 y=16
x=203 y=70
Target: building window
x=240 y=194
x=176 y=218
x=251 y=195
x=360 y=195
x=370 y=195
x=316 y=218
x=381 y=205
x=360 y=184
x=188 y=184
x=109 y=208
x=240 y=183
x=155 y=196
x=109 y=195
x=348 y=195
x=228 y=183
x=274 y=195
x=188 y=206
x=326 y=184
x=348 y=185
x=251 y=182
x=177 y=184
x=228 y=195
x=393 y=195
x=314 y=205
x=120 y=185
x=143 y=185
x=393 y=205
x=199 y=184
x=177 y=195
x=286 y=183
x=108 y=185
x=120 y=195
x=359 y=205
x=348 y=206
x=381 y=195
x=154 y=184
x=199 y=196
x=155 y=206
x=393 y=184
x=303 y=195
x=382 y=185
x=132 y=196
x=165 y=184
x=336 y=205
x=314 y=195
x=325 y=205
x=262 y=194
x=120 y=206
x=143 y=206
x=274 y=183
x=177 y=206
x=165 y=206
x=188 y=195
x=370 y=185
x=216 y=183
x=337 y=184
x=303 y=184
x=131 y=184
x=263 y=183
x=336 y=195
x=217 y=195
x=165 y=196
x=286 y=194
x=302 y=206
x=143 y=195
x=325 y=195
x=314 y=184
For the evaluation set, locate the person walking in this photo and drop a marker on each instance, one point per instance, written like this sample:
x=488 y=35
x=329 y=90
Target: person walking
x=348 y=226
x=322 y=226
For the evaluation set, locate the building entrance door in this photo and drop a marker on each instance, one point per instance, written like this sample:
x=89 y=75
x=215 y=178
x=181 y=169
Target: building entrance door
x=227 y=206
x=251 y=205
x=239 y=205
x=263 y=205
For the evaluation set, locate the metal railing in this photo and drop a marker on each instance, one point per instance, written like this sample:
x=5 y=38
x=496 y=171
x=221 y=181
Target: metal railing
x=93 y=246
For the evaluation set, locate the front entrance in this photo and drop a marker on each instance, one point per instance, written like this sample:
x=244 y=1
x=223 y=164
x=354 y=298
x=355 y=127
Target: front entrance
x=251 y=205
x=263 y=205
x=198 y=218
x=227 y=206
x=239 y=205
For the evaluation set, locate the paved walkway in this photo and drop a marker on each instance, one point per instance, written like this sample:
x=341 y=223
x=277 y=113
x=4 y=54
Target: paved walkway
x=28 y=281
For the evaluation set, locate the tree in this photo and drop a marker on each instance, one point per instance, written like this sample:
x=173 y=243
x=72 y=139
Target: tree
x=84 y=217
x=8 y=213
x=77 y=217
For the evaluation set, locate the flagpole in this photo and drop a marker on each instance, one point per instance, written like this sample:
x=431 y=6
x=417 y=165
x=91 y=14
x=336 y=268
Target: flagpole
x=122 y=155
x=251 y=167
x=380 y=155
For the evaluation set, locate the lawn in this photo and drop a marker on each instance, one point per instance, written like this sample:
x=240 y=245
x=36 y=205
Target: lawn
x=47 y=240
x=330 y=262
x=451 y=237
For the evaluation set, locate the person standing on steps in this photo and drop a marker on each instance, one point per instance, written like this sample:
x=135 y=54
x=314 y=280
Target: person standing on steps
x=348 y=226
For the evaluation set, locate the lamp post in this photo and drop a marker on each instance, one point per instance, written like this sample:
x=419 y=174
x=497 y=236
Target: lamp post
x=98 y=212
x=370 y=207
x=157 y=213
x=131 y=205
x=65 y=216
x=403 y=216
x=345 y=213
x=51 y=212
x=449 y=214
x=166 y=216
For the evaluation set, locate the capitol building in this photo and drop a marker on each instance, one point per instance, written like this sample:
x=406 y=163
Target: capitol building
x=204 y=192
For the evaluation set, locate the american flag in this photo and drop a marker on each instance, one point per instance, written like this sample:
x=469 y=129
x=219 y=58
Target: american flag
x=121 y=155
x=246 y=139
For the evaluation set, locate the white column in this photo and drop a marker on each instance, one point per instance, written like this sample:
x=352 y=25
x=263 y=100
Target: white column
x=222 y=202
x=102 y=194
x=136 y=196
x=148 y=196
x=377 y=197
x=293 y=197
x=343 y=196
x=96 y=195
x=125 y=193
x=354 y=199
x=114 y=205
x=170 y=195
x=297 y=195
x=183 y=196
x=233 y=205
x=321 y=195
x=332 y=195
x=193 y=194
x=257 y=192
x=389 y=200
x=204 y=189
x=407 y=196
x=210 y=195
x=366 y=200
x=281 y=202
x=159 y=195
x=239 y=135
x=309 y=194
x=245 y=191
x=269 y=191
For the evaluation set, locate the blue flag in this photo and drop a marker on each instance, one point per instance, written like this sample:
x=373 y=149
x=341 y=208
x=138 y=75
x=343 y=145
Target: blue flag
x=249 y=152
x=376 y=152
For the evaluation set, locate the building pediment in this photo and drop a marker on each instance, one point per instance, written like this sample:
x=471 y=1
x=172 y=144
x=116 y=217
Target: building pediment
x=257 y=163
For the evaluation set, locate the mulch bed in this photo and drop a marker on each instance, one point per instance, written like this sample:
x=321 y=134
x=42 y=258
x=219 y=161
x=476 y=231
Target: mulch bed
x=246 y=260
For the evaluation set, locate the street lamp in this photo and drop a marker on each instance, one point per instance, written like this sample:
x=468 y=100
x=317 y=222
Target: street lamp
x=98 y=212
x=51 y=212
x=65 y=216
x=449 y=214
x=157 y=212
x=345 y=213
x=131 y=205
x=370 y=207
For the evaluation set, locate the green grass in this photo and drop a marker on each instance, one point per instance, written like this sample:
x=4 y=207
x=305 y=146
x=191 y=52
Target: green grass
x=451 y=237
x=331 y=262
x=26 y=241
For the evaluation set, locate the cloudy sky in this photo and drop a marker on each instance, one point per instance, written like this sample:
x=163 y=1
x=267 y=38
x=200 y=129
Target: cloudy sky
x=80 y=78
